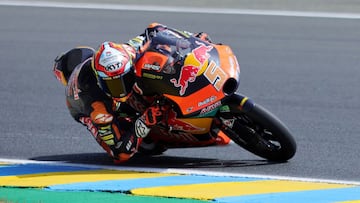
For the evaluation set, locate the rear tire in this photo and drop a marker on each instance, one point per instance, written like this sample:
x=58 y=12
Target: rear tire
x=149 y=147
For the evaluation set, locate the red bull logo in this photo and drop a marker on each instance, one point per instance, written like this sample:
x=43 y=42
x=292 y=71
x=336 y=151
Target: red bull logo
x=201 y=52
x=187 y=74
x=194 y=64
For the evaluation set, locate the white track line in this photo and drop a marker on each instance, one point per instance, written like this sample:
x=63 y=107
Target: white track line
x=179 y=171
x=177 y=9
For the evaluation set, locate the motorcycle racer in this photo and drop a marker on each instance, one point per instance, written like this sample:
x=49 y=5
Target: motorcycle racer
x=100 y=89
x=90 y=104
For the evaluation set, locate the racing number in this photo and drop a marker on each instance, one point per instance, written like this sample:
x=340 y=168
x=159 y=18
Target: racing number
x=215 y=75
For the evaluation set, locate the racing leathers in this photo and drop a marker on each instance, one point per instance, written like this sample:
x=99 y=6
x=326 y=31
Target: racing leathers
x=89 y=105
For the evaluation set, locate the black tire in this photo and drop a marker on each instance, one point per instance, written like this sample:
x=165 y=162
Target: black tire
x=149 y=147
x=260 y=132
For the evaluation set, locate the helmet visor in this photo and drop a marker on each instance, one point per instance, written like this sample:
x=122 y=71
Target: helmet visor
x=118 y=87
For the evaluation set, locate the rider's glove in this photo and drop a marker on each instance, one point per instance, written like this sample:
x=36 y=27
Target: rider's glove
x=203 y=36
x=152 y=116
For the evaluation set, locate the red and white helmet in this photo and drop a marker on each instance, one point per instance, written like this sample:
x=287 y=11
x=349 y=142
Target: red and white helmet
x=112 y=65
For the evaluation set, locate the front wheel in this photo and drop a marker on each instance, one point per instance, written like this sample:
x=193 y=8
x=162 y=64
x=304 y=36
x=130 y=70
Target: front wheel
x=257 y=130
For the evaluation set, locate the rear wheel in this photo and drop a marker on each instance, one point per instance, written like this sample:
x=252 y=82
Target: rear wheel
x=258 y=131
x=149 y=147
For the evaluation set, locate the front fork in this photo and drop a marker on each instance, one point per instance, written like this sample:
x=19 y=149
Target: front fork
x=236 y=104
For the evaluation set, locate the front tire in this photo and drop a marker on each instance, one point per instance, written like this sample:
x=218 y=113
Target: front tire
x=258 y=131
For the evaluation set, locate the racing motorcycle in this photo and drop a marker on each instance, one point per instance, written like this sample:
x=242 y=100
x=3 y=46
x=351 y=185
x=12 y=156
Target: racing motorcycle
x=200 y=84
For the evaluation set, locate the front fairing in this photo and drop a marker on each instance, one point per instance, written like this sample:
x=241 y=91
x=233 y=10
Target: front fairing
x=193 y=78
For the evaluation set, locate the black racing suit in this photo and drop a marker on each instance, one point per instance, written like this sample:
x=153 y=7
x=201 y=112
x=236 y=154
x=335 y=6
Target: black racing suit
x=89 y=105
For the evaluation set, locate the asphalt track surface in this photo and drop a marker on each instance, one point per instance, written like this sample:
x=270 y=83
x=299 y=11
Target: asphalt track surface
x=303 y=69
